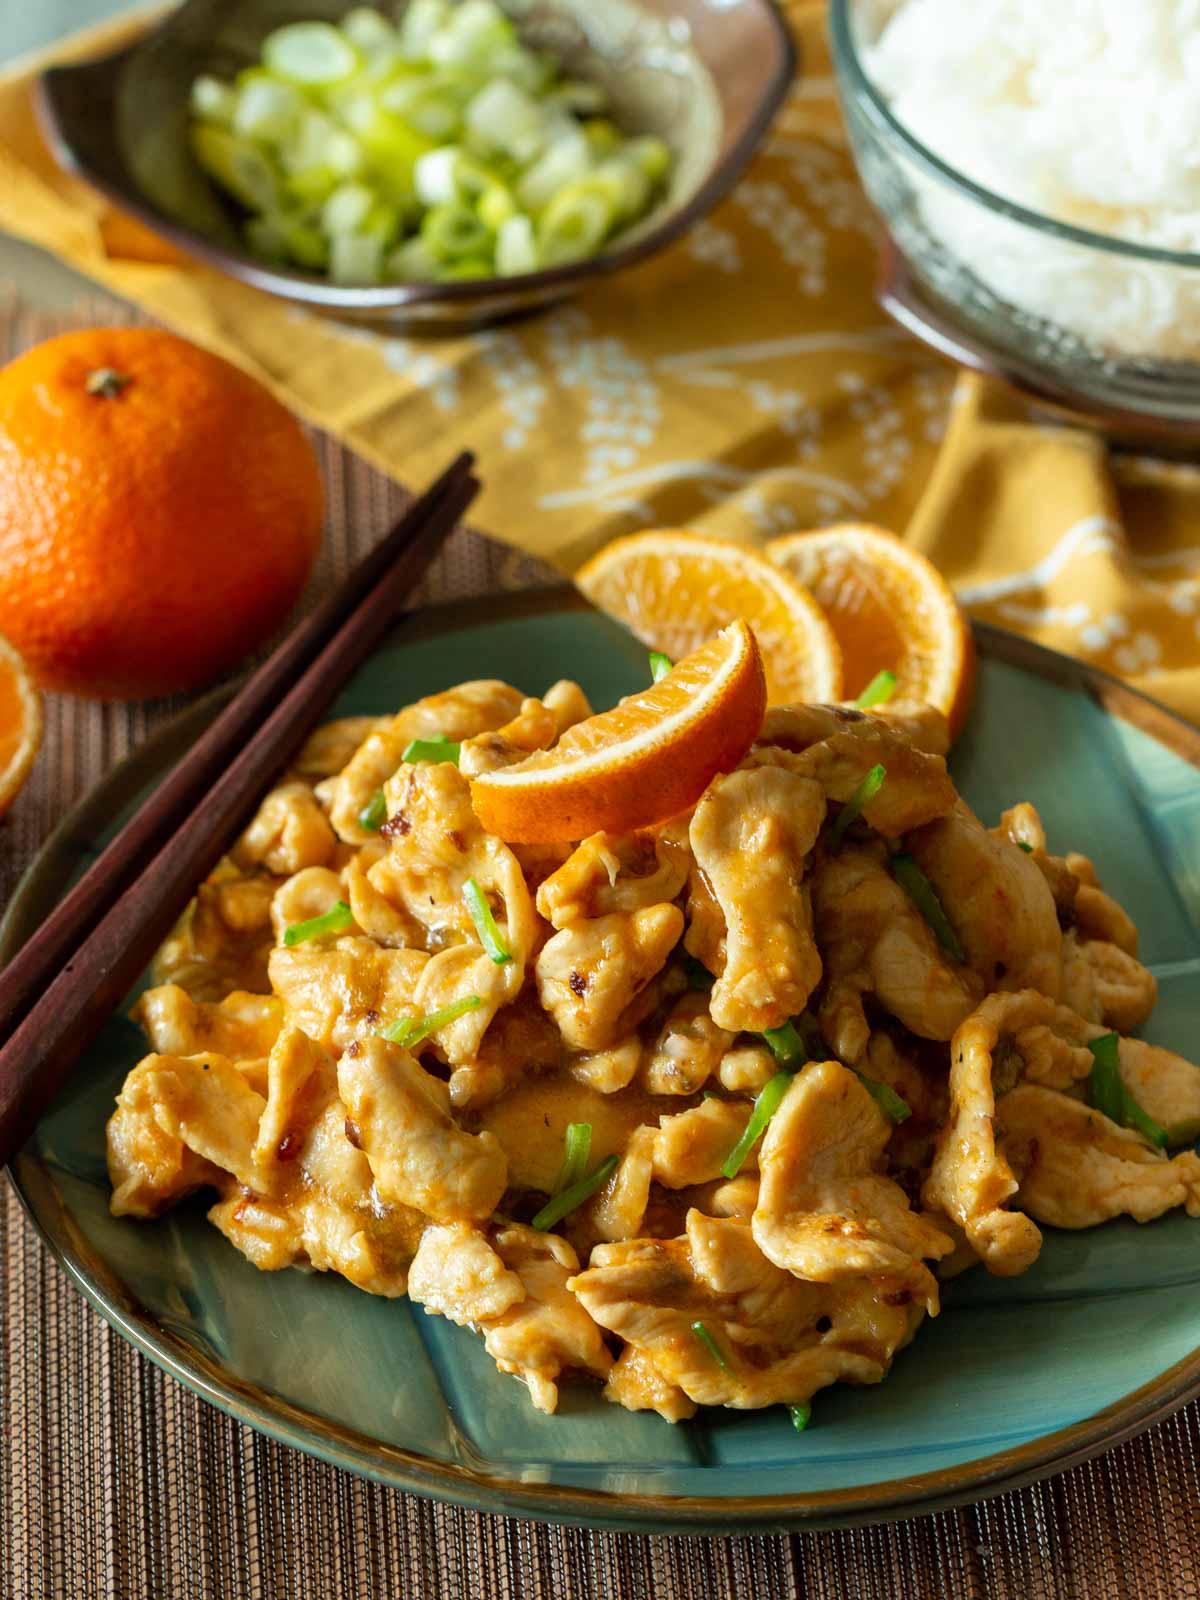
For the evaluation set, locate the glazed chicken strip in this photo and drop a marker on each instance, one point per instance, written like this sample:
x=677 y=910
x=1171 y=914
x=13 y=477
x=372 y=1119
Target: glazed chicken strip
x=765 y=1322
x=750 y=835
x=692 y=1145
x=689 y=1049
x=457 y=1274
x=1009 y=1037
x=1103 y=983
x=800 y=726
x=637 y=1384
x=418 y=1153
x=459 y=713
x=239 y=1026
x=916 y=790
x=289 y=831
x=612 y=872
x=874 y=941
x=149 y=1167
x=592 y=978
x=996 y=899
x=1076 y=1168
x=826 y=1209
x=535 y=727
x=335 y=991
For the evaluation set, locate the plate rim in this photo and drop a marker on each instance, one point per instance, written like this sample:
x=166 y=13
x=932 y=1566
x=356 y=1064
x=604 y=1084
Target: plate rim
x=466 y=1485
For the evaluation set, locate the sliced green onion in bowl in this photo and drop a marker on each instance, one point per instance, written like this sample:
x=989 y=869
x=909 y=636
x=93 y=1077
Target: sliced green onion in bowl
x=571 y=1199
x=409 y=1031
x=707 y=1339
x=923 y=895
x=766 y=1104
x=485 y=923
x=337 y=919
x=878 y=692
x=862 y=796
x=314 y=54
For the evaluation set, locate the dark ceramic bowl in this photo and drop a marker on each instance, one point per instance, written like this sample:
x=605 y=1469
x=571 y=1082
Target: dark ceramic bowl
x=705 y=76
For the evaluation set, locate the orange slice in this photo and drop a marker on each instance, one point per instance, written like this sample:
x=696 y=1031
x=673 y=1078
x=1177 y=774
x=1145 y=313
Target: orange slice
x=891 y=609
x=675 y=589
x=646 y=760
x=20 y=723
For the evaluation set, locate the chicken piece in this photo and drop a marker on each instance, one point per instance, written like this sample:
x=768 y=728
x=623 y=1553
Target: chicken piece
x=1076 y=1169
x=548 y=1330
x=750 y=835
x=612 y=872
x=1022 y=825
x=637 y=1384
x=780 y=1339
x=692 y=1145
x=706 y=934
x=1165 y=1085
x=223 y=938
x=593 y=978
x=1103 y=983
x=206 y=1103
x=727 y=1197
x=1009 y=1037
x=289 y=831
x=874 y=941
x=148 y=1167
x=916 y=790
x=746 y=1069
x=826 y=1211
x=378 y=917
x=535 y=727
x=689 y=1049
x=997 y=900
x=335 y=993
x=301 y=1081
x=568 y=703
x=325 y=752
x=457 y=1274
x=309 y=893
x=522 y=1042
x=459 y=713
x=609 y=1071
x=1097 y=914
x=618 y=1210
x=418 y=1153
x=239 y=1026
x=798 y=727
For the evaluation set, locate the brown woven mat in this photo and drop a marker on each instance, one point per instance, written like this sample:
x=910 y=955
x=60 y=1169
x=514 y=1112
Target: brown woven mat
x=116 y=1484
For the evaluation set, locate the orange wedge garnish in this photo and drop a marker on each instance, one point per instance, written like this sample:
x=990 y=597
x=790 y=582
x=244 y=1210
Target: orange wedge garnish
x=675 y=589
x=891 y=610
x=20 y=723
x=647 y=759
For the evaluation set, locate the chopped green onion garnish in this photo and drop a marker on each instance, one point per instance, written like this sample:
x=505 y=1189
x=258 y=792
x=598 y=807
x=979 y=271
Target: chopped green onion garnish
x=411 y=1030
x=578 y=1148
x=880 y=689
x=438 y=748
x=698 y=975
x=336 y=920
x=921 y=892
x=893 y=1107
x=1028 y=848
x=571 y=1199
x=485 y=923
x=786 y=1045
x=373 y=816
x=766 y=1104
x=801 y=1415
x=714 y=1349
x=863 y=795
x=1108 y=1094
x=660 y=665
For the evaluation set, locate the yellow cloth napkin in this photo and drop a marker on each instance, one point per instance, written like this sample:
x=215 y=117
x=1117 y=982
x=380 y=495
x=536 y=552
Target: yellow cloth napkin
x=742 y=382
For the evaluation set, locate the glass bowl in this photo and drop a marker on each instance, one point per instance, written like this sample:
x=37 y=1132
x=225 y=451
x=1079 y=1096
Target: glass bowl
x=706 y=75
x=1013 y=294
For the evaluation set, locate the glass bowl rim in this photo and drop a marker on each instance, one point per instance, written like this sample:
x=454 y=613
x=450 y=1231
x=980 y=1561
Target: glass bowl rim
x=856 y=82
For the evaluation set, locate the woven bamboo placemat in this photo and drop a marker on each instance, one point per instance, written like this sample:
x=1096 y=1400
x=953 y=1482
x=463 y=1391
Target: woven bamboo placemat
x=116 y=1484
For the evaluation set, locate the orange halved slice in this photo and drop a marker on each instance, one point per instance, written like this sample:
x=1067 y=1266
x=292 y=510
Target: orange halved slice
x=891 y=610
x=675 y=589
x=20 y=723
x=646 y=760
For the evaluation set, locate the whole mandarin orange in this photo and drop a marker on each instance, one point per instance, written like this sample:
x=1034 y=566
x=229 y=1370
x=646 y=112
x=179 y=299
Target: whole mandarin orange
x=160 y=512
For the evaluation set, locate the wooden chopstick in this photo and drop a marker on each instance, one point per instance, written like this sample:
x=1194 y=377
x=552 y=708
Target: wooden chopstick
x=40 y=960
x=42 y=1051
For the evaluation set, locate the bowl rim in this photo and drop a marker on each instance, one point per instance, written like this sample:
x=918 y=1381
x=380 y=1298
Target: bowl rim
x=855 y=82
x=316 y=290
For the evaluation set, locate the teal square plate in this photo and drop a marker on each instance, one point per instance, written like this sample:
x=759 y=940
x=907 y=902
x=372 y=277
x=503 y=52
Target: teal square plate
x=1016 y=1378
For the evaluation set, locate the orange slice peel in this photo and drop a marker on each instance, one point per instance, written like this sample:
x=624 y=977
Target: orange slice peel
x=649 y=758
x=20 y=723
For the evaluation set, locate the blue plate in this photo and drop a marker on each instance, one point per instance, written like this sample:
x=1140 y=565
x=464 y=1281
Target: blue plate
x=1016 y=1378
